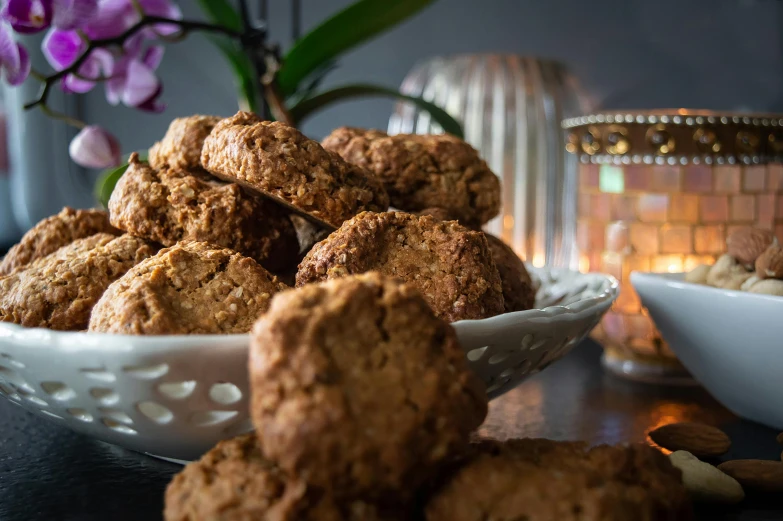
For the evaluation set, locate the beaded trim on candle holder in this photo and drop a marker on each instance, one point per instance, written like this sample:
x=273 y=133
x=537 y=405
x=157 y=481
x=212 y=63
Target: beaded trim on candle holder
x=680 y=137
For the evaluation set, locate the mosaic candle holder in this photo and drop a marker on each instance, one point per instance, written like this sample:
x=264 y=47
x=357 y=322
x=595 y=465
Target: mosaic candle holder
x=660 y=191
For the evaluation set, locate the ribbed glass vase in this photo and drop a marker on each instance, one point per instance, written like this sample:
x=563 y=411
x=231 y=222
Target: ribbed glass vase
x=511 y=108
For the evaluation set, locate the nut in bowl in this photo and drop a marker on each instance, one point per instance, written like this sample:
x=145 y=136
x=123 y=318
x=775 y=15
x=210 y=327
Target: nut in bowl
x=723 y=323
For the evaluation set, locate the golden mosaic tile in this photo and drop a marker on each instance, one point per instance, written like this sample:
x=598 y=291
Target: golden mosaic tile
x=754 y=178
x=727 y=179
x=612 y=264
x=714 y=208
x=684 y=208
x=618 y=238
x=588 y=176
x=590 y=236
x=697 y=178
x=676 y=238
x=614 y=326
x=775 y=177
x=666 y=178
x=624 y=207
x=583 y=205
x=601 y=206
x=652 y=208
x=643 y=346
x=779 y=232
x=644 y=238
x=637 y=178
x=627 y=300
x=743 y=208
x=639 y=326
x=765 y=211
x=709 y=239
x=691 y=261
x=667 y=263
x=633 y=263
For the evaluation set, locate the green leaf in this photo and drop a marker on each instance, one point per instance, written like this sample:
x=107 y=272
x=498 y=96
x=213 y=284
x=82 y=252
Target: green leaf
x=318 y=102
x=221 y=12
x=106 y=182
x=355 y=24
x=244 y=72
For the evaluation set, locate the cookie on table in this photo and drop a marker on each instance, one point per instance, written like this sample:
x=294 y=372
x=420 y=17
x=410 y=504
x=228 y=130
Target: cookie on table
x=451 y=265
x=172 y=205
x=423 y=171
x=181 y=146
x=560 y=481
x=59 y=291
x=519 y=292
x=359 y=388
x=53 y=233
x=235 y=482
x=190 y=288
x=280 y=162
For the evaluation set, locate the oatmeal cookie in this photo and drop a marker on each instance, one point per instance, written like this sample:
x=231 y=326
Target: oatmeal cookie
x=280 y=162
x=519 y=292
x=181 y=147
x=190 y=288
x=423 y=171
x=235 y=482
x=170 y=205
x=548 y=480
x=59 y=291
x=53 y=233
x=451 y=265
x=359 y=388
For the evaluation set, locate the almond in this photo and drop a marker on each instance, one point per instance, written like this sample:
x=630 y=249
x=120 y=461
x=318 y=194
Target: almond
x=756 y=474
x=704 y=482
x=701 y=440
x=769 y=264
x=746 y=244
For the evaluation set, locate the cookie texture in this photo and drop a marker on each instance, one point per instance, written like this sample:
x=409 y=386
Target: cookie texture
x=359 y=388
x=59 y=291
x=518 y=290
x=190 y=288
x=280 y=162
x=53 y=233
x=423 y=171
x=171 y=205
x=560 y=481
x=181 y=146
x=451 y=265
x=235 y=482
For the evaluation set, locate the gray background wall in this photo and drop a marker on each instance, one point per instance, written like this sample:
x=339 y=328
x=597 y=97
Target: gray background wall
x=716 y=54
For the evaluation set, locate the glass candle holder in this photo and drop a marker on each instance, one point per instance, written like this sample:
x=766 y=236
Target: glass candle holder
x=511 y=108
x=660 y=191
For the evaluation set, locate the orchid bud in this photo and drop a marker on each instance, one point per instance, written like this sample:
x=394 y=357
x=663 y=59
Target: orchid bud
x=94 y=147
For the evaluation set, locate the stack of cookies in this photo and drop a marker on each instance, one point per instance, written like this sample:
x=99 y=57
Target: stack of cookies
x=364 y=407
x=229 y=211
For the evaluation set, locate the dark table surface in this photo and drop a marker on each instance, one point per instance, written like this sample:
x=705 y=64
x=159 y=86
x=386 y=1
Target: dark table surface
x=50 y=473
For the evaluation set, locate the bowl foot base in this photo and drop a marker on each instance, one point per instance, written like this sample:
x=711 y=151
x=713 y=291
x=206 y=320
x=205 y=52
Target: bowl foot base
x=170 y=460
x=640 y=370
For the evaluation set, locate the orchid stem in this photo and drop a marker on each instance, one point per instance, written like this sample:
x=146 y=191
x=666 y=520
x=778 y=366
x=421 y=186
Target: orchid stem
x=185 y=25
x=63 y=117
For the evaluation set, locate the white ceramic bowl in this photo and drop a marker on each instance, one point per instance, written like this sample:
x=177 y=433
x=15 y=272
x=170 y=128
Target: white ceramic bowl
x=731 y=341
x=176 y=396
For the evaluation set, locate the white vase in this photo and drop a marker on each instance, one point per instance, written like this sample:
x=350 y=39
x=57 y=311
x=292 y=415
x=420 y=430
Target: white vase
x=511 y=108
